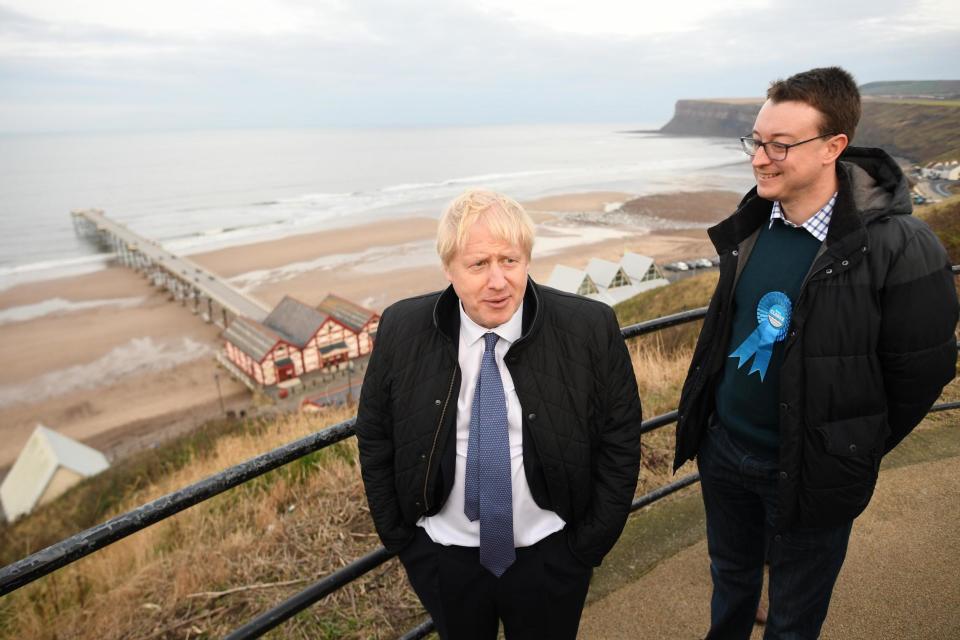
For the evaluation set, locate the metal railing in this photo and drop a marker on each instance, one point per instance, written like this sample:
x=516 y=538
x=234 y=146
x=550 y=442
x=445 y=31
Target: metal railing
x=58 y=555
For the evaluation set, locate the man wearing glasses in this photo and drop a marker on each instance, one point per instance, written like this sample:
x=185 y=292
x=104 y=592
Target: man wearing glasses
x=829 y=336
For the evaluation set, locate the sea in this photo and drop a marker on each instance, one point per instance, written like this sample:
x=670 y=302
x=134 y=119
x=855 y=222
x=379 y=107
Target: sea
x=195 y=191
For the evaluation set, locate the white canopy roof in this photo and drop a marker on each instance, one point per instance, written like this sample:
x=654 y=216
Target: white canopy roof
x=45 y=452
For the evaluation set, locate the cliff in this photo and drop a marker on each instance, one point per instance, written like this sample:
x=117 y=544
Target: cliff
x=729 y=119
x=921 y=130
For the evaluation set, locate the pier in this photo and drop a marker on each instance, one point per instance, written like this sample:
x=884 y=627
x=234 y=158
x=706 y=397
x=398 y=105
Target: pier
x=211 y=296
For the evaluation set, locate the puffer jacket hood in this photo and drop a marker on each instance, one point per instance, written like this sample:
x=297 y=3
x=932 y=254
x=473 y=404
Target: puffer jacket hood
x=878 y=185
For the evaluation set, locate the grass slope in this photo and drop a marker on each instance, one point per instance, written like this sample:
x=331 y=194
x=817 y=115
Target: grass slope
x=923 y=131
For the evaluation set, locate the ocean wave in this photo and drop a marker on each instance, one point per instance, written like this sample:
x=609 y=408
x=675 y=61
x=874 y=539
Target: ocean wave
x=311 y=198
x=137 y=357
x=466 y=180
x=377 y=259
x=59 y=306
x=60 y=263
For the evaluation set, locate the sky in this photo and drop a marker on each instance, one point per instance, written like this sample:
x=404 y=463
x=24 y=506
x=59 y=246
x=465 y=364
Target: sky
x=146 y=65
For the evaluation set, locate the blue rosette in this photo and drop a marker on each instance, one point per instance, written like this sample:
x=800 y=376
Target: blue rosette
x=773 y=320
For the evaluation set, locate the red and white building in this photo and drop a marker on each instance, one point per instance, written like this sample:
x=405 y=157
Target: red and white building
x=297 y=339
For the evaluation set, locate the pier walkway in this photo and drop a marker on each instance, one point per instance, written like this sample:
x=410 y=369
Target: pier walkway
x=210 y=295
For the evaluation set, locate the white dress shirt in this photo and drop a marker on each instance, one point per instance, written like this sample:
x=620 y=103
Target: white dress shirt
x=530 y=523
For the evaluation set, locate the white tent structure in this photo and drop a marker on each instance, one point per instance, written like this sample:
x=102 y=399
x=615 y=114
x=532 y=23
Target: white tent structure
x=606 y=274
x=49 y=464
x=572 y=280
x=607 y=281
x=642 y=271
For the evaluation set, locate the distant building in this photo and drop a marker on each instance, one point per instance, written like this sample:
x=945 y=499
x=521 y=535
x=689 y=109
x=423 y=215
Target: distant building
x=296 y=339
x=642 y=271
x=942 y=171
x=49 y=464
x=572 y=280
x=361 y=322
x=607 y=281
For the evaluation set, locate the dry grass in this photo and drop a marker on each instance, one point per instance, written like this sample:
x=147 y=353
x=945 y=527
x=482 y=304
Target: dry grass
x=660 y=374
x=288 y=528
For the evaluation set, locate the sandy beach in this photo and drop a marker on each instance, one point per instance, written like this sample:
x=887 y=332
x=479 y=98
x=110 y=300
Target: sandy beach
x=116 y=364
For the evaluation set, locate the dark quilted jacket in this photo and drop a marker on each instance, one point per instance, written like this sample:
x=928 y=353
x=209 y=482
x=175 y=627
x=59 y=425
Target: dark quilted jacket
x=581 y=415
x=870 y=346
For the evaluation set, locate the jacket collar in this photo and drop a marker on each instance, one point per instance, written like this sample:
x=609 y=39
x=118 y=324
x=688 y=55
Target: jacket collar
x=446 y=313
x=869 y=185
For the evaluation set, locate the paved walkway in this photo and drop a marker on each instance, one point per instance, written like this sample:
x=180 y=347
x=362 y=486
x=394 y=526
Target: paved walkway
x=901 y=579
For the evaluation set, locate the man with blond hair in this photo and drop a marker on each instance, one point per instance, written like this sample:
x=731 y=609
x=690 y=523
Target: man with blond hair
x=829 y=336
x=499 y=434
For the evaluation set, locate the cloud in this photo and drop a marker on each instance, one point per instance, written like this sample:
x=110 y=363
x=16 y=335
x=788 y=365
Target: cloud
x=370 y=62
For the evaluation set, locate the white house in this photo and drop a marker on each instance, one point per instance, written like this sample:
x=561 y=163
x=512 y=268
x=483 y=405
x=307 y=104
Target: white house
x=49 y=464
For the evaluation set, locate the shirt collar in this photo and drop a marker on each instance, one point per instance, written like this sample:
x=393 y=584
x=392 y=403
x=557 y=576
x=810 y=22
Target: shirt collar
x=509 y=331
x=817 y=224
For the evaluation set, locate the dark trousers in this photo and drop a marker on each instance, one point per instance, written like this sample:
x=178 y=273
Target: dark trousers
x=540 y=596
x=739 y=489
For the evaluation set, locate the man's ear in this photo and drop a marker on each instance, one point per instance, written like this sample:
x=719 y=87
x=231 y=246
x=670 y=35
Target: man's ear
x=834 y=147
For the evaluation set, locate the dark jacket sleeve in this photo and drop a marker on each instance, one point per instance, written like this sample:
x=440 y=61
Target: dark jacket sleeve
x=616 y=452
x=374 y=430
x=918 y=349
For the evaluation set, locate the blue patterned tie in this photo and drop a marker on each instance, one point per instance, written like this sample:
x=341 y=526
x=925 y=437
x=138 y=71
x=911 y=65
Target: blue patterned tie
x=488 y=494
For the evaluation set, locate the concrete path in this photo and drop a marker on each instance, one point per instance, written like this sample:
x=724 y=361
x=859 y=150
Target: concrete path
x=901 y=579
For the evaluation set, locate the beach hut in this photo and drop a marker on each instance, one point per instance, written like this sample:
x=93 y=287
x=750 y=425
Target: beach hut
x=644 y=274
x=359 y=325
x=572 y=280
x=49 y=464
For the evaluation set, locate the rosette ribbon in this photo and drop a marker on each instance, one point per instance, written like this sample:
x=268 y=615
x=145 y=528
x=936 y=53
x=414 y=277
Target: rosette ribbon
x=773 y=319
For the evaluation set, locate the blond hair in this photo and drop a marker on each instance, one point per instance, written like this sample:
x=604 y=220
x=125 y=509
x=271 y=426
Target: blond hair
x=504 y=216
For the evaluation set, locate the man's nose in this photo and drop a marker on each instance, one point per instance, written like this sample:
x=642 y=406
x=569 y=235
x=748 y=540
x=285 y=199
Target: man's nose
x=760 y=158
x=496 y=278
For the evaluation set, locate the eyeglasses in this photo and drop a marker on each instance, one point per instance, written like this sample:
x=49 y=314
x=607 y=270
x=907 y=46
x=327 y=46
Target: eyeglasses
x=774 y=150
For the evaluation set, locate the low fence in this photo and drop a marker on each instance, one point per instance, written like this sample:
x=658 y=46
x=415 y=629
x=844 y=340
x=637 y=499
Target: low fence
x=50 y=559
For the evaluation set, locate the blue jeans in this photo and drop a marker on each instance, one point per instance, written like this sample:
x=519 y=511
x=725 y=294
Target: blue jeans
x=739 y=490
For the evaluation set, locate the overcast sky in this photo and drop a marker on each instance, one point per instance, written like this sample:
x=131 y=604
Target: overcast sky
x=188 y=64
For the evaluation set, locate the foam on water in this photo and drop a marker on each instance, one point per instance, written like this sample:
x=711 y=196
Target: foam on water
x=59 y=306
x=137 y=357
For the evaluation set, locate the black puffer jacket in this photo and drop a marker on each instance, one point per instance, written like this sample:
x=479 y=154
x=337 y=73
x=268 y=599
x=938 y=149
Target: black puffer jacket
x=871 y=342
x=581 y=415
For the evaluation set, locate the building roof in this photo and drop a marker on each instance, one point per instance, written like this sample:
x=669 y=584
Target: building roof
x=295 y=321
x=635 y=265
x=251 y=337
x=44 y=453
x=603 y=272
x=347 y=313
x=73 y=455
x=569 y=279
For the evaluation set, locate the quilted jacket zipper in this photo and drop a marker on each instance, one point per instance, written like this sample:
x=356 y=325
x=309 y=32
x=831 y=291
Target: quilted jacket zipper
x=436 y=435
